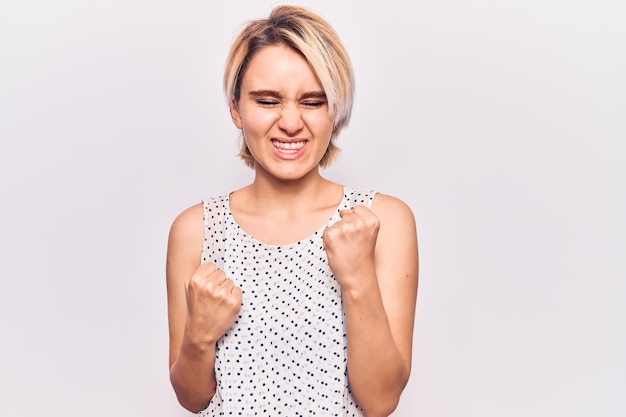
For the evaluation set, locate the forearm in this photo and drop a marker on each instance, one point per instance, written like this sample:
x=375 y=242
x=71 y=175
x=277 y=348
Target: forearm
x=193 y=377
x=377 y=371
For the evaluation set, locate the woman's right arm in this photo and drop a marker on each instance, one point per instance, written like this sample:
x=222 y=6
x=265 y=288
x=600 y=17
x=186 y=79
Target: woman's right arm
x=202 y=304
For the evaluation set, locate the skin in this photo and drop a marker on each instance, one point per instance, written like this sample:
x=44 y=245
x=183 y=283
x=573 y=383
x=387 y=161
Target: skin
x=372 y=253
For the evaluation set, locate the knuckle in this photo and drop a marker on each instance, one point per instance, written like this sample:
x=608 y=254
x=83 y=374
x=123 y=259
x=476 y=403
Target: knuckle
x=330 y=235
x=233 y=302
x=219 y=275
x=194 y=281
x=208 y=267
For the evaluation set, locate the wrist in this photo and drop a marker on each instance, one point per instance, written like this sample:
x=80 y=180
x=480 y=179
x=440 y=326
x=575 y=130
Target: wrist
x=360 y=287
x=197 y=350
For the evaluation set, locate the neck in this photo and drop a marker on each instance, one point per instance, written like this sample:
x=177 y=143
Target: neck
x=283 y=197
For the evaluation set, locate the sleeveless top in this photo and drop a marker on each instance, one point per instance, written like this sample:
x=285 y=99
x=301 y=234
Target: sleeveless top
x=286 y=353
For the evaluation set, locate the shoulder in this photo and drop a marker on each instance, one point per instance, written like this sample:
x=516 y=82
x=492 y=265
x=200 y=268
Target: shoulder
x=392 y=210
x=188 y=219
x=186 y=231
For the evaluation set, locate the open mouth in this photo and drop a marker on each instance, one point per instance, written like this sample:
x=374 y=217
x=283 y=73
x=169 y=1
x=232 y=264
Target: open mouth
x=288 y=147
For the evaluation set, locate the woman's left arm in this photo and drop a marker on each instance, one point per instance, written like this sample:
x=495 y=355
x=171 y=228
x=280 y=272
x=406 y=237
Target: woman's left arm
x=374 y=257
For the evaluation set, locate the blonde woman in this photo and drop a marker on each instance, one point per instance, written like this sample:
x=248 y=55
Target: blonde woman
x=293 y=295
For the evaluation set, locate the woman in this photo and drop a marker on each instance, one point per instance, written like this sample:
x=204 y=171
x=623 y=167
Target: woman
x=293 y=295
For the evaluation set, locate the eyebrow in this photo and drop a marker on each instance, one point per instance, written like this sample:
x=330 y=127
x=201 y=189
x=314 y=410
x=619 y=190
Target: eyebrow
x=314 y=94
x=276 y=94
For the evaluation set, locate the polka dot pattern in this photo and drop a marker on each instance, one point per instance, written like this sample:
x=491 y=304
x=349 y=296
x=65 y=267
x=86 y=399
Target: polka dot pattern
x=285 y=354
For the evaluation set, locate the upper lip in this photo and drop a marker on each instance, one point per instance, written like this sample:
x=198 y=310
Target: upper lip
x=290 y=140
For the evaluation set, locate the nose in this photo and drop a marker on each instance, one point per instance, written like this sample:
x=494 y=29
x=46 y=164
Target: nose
x=291 y=119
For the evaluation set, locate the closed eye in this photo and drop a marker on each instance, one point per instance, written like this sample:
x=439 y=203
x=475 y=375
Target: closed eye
x=314 y=104
x=267 y=102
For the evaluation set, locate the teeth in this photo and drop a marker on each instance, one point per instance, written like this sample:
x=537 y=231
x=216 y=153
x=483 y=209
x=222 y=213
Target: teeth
x=288 y=146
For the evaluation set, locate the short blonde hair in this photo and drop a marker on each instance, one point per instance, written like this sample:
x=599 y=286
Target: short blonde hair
x=311 y=36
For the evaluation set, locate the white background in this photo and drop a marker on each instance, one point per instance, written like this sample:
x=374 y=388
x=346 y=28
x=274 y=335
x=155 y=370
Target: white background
x=500 y=123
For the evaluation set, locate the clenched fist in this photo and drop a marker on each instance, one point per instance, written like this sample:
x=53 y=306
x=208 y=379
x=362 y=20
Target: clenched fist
x=350 y=245
x=213 y=302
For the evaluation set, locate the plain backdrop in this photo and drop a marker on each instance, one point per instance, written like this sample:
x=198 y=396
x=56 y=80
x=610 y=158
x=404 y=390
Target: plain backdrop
x=501 y=123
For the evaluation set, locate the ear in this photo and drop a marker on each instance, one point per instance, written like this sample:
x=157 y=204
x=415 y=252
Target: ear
x=234 y=114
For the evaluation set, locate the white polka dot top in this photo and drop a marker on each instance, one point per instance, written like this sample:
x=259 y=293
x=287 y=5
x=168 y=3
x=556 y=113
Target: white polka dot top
x=285 y=354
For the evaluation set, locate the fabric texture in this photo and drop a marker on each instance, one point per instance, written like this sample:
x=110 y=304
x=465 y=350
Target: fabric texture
x=285 y=354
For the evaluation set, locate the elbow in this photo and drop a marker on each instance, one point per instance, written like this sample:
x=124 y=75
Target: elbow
x=382 y=409
x=190 y=399
x=386 y=404
x=191 y=405
x=383 y=406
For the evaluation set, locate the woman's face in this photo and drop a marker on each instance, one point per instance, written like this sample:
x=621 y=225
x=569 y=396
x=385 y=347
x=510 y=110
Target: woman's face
x=283 y=113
